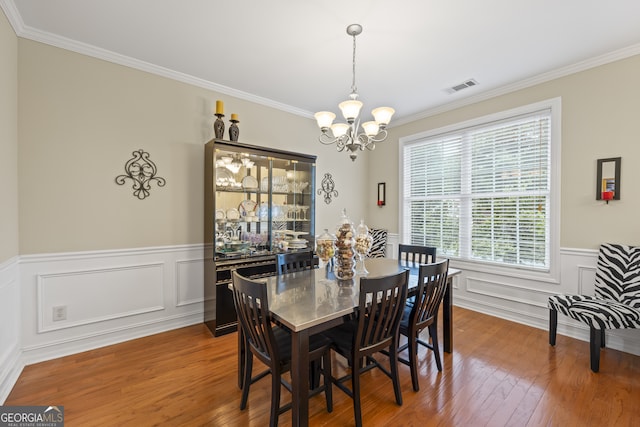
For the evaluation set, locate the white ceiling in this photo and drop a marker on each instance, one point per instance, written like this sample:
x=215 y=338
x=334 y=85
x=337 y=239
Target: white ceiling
x=296 y=55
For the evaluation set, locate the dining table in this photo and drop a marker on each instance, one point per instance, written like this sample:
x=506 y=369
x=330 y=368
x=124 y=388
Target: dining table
x=311 y=301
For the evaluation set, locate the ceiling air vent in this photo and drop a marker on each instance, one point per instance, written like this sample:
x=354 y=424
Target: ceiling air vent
x=463 y=85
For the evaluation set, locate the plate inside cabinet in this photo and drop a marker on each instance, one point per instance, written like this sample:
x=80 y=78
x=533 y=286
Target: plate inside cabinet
x=247 y=208
x=223 y=176
x=233 y=214
x=220 y=214
x=249 y=182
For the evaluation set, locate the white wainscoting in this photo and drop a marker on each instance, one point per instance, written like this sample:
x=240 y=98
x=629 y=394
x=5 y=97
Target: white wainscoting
x=10 y=364
x=108 y=296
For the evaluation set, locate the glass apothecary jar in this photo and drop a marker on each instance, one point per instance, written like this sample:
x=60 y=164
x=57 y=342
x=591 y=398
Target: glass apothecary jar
x=325 y=247
x=364 y=240
x=345 y=254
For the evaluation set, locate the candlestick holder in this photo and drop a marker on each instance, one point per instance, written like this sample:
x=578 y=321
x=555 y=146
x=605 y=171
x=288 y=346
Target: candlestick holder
x=218 y=126
x=234 y=130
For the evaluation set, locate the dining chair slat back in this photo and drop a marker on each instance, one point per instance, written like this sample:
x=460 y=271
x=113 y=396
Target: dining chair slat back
x=294 y=261
x=414 y=255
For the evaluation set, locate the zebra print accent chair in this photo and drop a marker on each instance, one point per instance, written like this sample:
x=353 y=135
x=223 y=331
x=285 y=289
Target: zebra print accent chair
x=379 y=245
x=616 y=304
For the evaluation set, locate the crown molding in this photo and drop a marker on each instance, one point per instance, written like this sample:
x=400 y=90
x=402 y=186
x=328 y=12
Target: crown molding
x=65 y=43
x=13 y=16
x=523 y=84
x=34 y=34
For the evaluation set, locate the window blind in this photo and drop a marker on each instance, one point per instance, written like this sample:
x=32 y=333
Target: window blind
x=482 y=193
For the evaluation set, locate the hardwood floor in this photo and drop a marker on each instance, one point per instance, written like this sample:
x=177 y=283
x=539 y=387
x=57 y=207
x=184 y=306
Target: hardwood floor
x=500 y=374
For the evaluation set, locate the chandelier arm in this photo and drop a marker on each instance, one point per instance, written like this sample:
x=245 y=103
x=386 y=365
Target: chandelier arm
x=327 y=139
x=342 y=142
x=380 y=136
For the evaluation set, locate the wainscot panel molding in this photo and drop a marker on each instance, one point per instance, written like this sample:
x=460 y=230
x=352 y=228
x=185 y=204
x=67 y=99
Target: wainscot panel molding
x=189 y=273
x=107 y=297
x=10 y=363
x=90 y=296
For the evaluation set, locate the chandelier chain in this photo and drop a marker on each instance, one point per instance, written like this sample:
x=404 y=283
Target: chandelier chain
x=354 y=89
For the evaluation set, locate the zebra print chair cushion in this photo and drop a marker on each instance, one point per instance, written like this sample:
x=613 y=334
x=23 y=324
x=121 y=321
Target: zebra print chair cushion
x=379 y=245
x=605 y=314
x=563 y=303
x=616 y=303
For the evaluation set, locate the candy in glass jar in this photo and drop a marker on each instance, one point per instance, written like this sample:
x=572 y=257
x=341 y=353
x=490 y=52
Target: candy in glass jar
x=345 y=253
x=325 y=247
x=364 y=240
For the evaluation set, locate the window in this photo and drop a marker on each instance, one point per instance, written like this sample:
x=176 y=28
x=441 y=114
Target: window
x=482 y=191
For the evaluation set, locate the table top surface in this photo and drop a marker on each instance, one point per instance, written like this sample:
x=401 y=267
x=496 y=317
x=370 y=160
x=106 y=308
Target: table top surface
x=308 y=298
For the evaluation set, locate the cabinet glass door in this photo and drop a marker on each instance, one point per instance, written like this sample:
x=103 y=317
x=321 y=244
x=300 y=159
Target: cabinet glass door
x=292 y=205
x=241 y=226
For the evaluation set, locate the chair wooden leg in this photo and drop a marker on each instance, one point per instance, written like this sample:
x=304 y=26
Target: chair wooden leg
x=395 y=378
x=602 y=344
x=413 y=360
x=242 y=355
x=355 y=387
x=276 y=386
x=553 y=326
x=328 y=384
x=246 y=382
x=314 y=374
x=433 y=331
x=594 y=344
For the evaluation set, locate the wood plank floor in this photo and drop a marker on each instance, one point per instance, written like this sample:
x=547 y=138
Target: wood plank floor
x=500 y=374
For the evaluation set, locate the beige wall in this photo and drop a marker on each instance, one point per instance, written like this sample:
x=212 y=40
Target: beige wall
x=600 y=109
x=9 y=246
x=79 y=120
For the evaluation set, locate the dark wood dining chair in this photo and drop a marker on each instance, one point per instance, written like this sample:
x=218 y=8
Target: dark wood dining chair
x=271 y=344
x=414 y=255
x=294 y=261
x=374 y=328
x=432 y=284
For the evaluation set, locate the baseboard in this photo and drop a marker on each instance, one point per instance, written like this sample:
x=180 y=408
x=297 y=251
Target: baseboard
x=11 y=371
x=82 y=343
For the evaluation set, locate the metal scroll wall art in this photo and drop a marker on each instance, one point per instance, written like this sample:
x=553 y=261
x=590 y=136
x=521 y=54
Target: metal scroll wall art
x=142 y=171
x=328 y=188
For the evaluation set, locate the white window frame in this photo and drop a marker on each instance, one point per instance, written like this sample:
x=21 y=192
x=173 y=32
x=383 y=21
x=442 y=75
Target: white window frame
x=553 y=274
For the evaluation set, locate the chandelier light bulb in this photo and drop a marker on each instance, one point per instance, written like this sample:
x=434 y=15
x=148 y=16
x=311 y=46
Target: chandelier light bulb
x=371 y=128
x=350 y=109
x=324 y=119
x=339 y=129
x=382 y=115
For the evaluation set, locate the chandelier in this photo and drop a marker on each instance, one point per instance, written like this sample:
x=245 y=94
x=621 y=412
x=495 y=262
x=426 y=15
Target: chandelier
x=346 y=135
